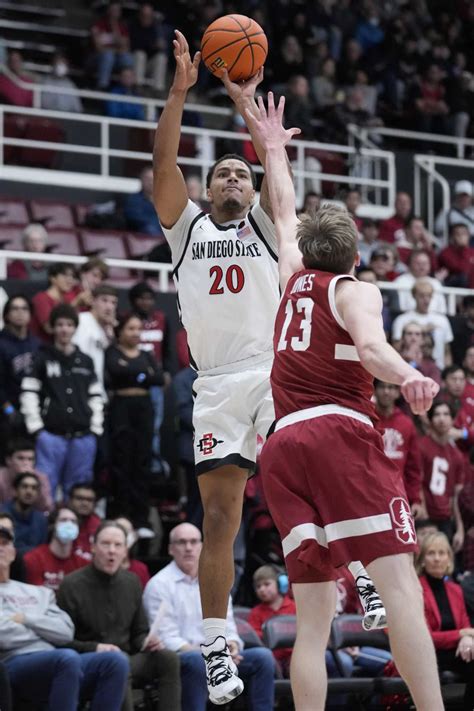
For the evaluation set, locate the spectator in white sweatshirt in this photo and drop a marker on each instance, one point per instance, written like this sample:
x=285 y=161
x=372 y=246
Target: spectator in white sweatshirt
x=31 y=627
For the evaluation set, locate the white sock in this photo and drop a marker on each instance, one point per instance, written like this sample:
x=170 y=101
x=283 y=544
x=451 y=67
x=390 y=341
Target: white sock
x=356 y=568
x=213 y=627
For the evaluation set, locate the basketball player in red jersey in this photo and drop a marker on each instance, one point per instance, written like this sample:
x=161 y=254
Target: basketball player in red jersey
x=333 y=494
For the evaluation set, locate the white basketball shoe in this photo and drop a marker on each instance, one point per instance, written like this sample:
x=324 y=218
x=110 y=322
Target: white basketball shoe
x=223 y=682
x=375 y=617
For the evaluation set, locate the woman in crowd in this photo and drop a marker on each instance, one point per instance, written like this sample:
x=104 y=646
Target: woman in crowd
x=446 y=613
x=129 y=374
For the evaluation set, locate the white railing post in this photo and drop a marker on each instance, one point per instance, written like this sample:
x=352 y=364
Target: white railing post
x=2 y=119
x=104 y=147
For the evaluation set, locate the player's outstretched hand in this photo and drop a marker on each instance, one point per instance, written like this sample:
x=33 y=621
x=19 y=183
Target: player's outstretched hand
x=419 y=392
x=186 y=73
x=239 y=91
x=268 y=125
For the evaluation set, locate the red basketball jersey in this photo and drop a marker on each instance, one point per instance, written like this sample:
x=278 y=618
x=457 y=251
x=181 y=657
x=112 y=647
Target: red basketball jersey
x=316 y=362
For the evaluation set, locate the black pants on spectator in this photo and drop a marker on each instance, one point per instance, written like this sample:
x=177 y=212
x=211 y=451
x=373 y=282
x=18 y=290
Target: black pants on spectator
x=5 y=692
x=447 y=661
x=131 y=437
x=162 y=668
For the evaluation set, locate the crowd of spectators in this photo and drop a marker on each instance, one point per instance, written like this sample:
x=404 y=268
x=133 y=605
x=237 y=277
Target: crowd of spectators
x=82 y=404
x=401 y=63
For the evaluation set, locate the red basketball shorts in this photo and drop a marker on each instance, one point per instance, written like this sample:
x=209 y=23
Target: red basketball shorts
x=333 y=494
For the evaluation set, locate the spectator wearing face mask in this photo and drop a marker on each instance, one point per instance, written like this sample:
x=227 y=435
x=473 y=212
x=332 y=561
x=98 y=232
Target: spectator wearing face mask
x=60 y=101
x=47 y=564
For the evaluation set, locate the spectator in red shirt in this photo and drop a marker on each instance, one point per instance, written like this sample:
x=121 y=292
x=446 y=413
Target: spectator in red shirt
x=10 y=92
x=403 y=208
x=34 y=239
x=61 y=281
x=48 y=563
x=154 y=338
x=443 y=474
x=132 y=564
x=271 y=588
x=82 y=500
x=400 y=442
x=458 y=257
x=431 y=109
x=112 y=44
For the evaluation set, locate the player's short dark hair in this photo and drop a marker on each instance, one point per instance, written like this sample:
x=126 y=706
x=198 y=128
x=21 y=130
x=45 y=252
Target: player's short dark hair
x=230 y=156
x=328 y=240
x=63 y=311
x=9 y=303
x=25 y=475
x=432 y=411
x=108 y=523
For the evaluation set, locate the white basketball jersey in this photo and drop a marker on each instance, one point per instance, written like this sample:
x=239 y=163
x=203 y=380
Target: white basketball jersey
x=226 y=276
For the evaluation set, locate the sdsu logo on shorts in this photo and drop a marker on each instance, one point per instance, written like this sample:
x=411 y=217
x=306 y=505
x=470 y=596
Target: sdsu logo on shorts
x=207 y=443
x=403 y=520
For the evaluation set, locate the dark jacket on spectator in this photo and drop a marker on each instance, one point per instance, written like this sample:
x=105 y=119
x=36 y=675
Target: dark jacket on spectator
x=141 y=215
x=16 y=359
x=61 y=394
x=105 y=609
x=31 y=527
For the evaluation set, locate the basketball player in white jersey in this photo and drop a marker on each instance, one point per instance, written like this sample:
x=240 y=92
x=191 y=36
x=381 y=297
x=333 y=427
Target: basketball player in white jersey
x=226 y=273
x=225 y=269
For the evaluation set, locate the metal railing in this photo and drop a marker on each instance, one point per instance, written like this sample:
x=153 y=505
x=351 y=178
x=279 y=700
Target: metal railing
x=205 y=140
x=151 y=106
x=366 y=135
x=451 y=293
x=162 y=270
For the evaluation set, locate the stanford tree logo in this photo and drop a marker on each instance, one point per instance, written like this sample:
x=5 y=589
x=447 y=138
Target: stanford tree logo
x=403 y=520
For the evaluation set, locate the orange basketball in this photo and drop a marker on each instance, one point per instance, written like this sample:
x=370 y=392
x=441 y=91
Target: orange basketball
x=236 y=43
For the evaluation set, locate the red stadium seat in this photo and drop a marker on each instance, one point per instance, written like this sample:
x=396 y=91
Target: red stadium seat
x=52 y=214
x=65 y=242
x=13 y=212
x=11 y=237
x=140 y=245
x=38 y=129
x=106 y=244
x=13 y=127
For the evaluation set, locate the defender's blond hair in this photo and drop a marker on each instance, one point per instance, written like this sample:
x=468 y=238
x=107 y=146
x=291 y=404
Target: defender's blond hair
x=328 y=240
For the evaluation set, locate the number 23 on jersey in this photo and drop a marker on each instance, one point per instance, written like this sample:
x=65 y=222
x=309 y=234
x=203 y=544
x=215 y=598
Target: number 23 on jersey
x=301 y=312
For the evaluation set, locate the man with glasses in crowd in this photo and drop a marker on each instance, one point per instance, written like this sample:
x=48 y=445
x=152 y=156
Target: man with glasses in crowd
x=173 y=604
x=82 y=500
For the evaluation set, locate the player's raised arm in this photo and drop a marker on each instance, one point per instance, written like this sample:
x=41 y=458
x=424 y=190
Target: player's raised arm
x=169 y=188
x=360 y=307
x=243 y=96
x=272 y=136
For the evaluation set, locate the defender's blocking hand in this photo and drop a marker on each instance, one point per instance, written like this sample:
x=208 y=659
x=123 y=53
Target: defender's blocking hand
x=268 y=126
